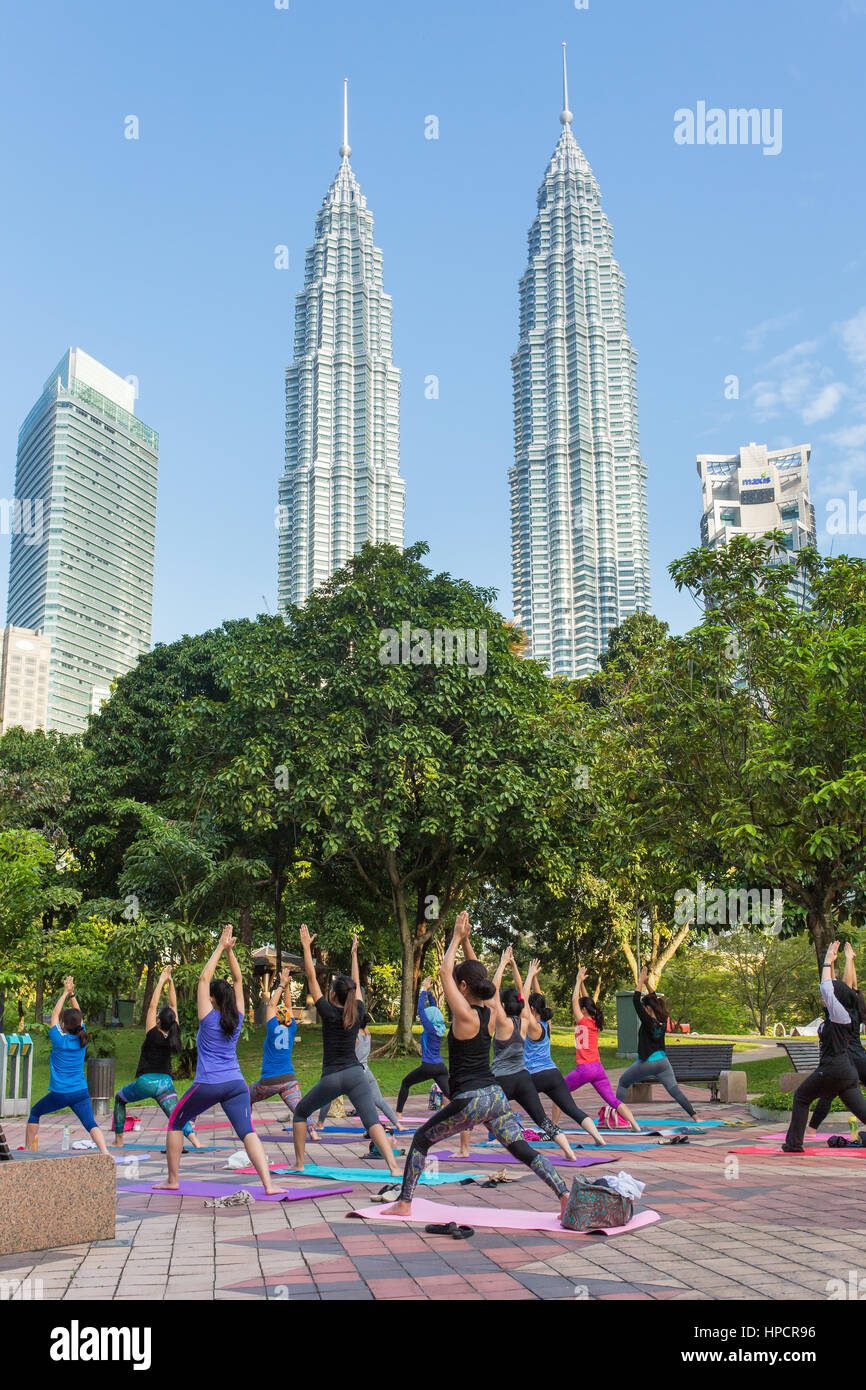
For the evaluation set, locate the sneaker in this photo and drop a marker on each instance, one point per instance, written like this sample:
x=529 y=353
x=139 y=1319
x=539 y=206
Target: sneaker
x=789 y=1149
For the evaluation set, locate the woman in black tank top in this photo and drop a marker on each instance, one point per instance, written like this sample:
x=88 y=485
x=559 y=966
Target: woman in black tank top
x=476 y=1098
x=835 y=1074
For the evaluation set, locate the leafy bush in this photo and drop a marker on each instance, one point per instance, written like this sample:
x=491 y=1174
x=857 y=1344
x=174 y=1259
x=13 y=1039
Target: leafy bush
x=779 y=1100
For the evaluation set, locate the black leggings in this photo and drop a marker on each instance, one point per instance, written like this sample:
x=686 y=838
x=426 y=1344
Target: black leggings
x=552 y=1083
x=835 y=1077
x=349 y=1081
x=822 y=1109
x=428 y=1071
x=518 y=1087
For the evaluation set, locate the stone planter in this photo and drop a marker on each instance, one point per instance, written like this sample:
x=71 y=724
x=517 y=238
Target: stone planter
x=759 y=1113
x=100 y=1084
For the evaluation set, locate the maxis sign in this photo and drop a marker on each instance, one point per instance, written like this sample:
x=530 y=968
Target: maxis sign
x=764 y=481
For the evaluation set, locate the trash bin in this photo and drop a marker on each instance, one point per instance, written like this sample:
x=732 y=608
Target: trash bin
x=627 y=1024
x=126 y=1012
x=100 y=1084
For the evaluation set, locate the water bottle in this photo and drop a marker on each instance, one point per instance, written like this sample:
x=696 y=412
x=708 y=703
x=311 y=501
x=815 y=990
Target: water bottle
x=65 y=1142
x=853 y=1129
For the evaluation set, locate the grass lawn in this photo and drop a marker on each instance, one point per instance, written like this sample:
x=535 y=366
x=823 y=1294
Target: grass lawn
x=307 y=1058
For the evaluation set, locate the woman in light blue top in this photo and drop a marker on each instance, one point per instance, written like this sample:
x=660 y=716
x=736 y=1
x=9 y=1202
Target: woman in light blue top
x=66 y=1079
x=218 y=1076
x=547 y=1078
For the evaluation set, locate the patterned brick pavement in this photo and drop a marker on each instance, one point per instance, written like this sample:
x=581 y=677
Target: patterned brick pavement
x=769 y=1228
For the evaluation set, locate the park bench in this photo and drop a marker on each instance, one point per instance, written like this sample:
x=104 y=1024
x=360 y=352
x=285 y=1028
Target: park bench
x=701 y=1062
x=803 y=1056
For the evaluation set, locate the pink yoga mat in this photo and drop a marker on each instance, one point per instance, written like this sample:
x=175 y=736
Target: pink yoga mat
x=497 y=1159
x=813 y=1138
x=225 y=1189
x=809 y=1153
x=496 y=1218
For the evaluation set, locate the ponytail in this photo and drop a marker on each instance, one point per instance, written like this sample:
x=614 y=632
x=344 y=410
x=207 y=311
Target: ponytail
x=346 y=994
x=590 y=1007
x=73 y=1024
x=167 y=1021
x=223 y=996
x=539 y=1004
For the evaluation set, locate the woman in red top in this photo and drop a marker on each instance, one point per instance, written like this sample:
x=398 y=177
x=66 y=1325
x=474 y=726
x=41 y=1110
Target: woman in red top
x=588 y=1020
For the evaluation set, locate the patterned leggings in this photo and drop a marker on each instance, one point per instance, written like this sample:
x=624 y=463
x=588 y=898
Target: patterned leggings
x=151 y=1085
x=486 y=1107
x=286 y=1087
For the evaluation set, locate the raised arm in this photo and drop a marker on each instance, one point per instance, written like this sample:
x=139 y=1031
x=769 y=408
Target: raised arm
x=237 y=977
x=309 y=964
x=504 y=960
x=204 y=979
x=463 y=1016
x=356 y=973
x=68 y=990
x=578 y=993
x=153 y=1007
x=850 y=973
x=532 y=1026
x=172 y=992
x=283 y=988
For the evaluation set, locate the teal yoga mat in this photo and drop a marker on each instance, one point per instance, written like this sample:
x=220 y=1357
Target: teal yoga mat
x=375 y=1175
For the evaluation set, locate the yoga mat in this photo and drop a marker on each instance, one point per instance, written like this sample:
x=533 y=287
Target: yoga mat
x=755 y=1149
x=205 y=1149
x=225 y=1189
x=813 y=1138
x=216 y=1124
x=550 y=1147
x=126 y=1163
x=582 y=1160
x=375 y=1175
x=499 y=1219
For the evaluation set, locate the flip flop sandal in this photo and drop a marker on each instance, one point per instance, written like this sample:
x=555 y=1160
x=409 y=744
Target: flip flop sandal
x=387 y=1194
x=676 y=1139
x=465 y=1182
x=451 y=1229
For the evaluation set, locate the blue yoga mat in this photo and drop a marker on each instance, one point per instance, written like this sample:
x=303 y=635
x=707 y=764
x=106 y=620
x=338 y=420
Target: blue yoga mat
x=379 y=1175
x=205 y=1149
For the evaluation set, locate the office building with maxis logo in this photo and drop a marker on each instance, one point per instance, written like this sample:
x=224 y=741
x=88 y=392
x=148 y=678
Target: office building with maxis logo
x=755 y=491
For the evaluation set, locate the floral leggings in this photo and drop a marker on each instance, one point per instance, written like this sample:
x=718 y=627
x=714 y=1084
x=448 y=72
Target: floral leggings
x=151 y=1085
x=485 y=1107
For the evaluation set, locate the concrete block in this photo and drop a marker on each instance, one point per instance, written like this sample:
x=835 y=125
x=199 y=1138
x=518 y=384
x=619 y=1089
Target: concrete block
x=46 y=1202
x=641 y=1091
x=732 y=1088
x=790 y=1080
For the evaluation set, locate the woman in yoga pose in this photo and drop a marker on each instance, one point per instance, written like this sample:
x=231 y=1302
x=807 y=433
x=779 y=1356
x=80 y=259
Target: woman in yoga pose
x=547 y=1078
x=278 y=1074
x=509 y=1067
x=652 y=1063
x=218 y=1076
x=66 y=1079
x=588 y=1070
x=856 y=1050
x=153 y=1077
x=363 y=1043
x=433 y=1030
x=476 y=1098
x=835 y=1074
x=343 y=1016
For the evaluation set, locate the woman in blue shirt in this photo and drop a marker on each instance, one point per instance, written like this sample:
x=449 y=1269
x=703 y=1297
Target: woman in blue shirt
x=432 y=1067
x=278 y=1074
x=68 y=1086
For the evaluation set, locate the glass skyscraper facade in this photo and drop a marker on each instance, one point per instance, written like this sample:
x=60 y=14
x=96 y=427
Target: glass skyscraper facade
x=341 y=485
x=81 y=568
x=580 y=548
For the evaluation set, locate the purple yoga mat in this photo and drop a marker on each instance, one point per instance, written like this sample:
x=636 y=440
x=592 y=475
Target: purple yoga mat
x=225 y=1189
x=499 y=1219
x=496 y=1160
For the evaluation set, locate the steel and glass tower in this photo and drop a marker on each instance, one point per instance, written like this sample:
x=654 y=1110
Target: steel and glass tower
x=81 y=568
x=580 y=553
x=341 y=485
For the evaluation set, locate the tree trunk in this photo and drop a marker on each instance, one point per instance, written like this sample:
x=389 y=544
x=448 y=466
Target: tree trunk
x=40 y=998
x=245 y=936
x=820 y=926
x=411 y=944
x=148 y=990
x=279 y=914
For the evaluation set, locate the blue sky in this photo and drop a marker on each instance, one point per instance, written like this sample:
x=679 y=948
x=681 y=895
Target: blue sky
x=157 y=255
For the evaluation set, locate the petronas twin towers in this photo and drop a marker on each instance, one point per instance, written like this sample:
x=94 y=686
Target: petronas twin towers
x=580 y=554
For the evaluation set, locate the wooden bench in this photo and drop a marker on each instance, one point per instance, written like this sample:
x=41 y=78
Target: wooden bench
x=701 y=1062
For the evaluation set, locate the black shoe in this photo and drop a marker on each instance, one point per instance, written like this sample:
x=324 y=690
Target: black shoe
x=789 y=1149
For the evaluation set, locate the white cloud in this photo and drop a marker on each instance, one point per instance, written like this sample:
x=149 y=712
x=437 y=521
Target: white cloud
x=754 y=337
x=826 y=403
x=852 y=437
x=853 y=333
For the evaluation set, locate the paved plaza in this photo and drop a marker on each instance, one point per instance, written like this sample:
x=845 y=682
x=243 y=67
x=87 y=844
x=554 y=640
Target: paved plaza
x=755 y=1227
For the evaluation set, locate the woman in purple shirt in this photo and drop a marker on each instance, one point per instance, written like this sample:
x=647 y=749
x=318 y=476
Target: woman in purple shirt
x=218 y=1077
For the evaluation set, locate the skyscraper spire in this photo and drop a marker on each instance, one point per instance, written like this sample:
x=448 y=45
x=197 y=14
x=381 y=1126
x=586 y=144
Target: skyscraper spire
x=345 y=148
x=565 y=115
